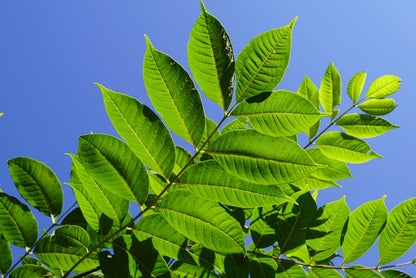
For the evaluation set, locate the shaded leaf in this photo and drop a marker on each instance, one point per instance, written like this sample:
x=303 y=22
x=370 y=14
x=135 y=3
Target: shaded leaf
x=364 y=126
x=30 y=260
x=383 y=86
x=156 y=183
x=330 y=89
x=182 y=158
x=343 y=147
x=378 y=107
x=246 y=154
x=262 y=267
x=394 y=273
x=287 y=269
x=211 y=59
x=335 y=170
x=37 y=184
x=264 y=226
x=236 y=265
x=184 y=270
x=355 y=86
x=6 y=258
x=173 y=94
x=262 y=63
x=210 y=128
x=32 y=271
x=140 y=127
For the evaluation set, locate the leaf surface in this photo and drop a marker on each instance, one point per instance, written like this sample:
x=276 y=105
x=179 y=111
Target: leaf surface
x=32 y=271
x=309 y=90
x=262 y=267
x=290 y=270
x=383 y=86
x=360 y=273
x=263 y=226
x=355 y=86
x=183 y=270
x=330 y=89
x=364 y=126
x=378 y=107
x=316 y=272
x=6 y=258
x=313 y=183
x=335 y=170
x=234 y=125
x=394 y=273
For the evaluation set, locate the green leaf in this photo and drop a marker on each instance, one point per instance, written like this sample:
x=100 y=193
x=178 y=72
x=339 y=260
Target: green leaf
x=203 y=221
x=236 y=265
x=343 y=147
x=32 y=271
x=235 y=125
x=316 y=272
x=330 y=89
x=18 y=225
x=311 y=92
x=263 y=226
x=205 y=258
x=378 y=107
x=114 y=166
x=281 y=113
x=110 y=204
x=262 y=63
x=183 y=270
x=335 y=170
x=262 y=267
x=383 y=86
x=364 y=126
x=394 y=273
x=156 y=183
x=399 y=234
x=37 y=184
x=360 y=273
x=208 y=180
x=287 y=269
x=6 y=258
x=210 y=128
x=182 y=158
x=324 y=234
x=142 y=129
x=72 y=235
x=364 y=226
x=246 y=154
x=313 y=183
x=211 y=59
x=30 y=260
x=173 y=94
x=355 y=86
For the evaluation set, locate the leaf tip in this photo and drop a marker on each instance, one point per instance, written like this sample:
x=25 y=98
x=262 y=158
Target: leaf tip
x=203 y=7
x=292 y=23
x=148 y=42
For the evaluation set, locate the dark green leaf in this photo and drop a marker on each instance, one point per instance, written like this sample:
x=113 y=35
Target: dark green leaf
x=173 y=94
x=364 y=126
x=183 y=270
x=264 y=226
x=262 y=267
x=37 y=184
x=263 y=62
x=32 y=271
x=378 y=107
x=383 y=86
x=30 y=260
x=290 y=270
x=355 y=86
x=394 y=273
x=6 y=258
x=330 y=89
x=236 y=265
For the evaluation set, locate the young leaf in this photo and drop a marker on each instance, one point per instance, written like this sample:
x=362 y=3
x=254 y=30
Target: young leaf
x=324 y=234
x=335 y=170
x=203 y=221
x=343 y=147
x=316 y=272
x=383 y=86
x=364 y=126
x=114 y=166
x=173 y=94
x=263 y=62
x=311 y=92
x=330 y=89
x=32 y=271
x=246 y=154
x=37 y=184
x=142 y=129
x=180 y=270
x=18 y=225
x=364 y=226
x=355 y=86
x=211 y=59
x=263 y=226
x=281 y=113
x=378 y=107
x=400 y=232
x=6 y=258
x=208 y=180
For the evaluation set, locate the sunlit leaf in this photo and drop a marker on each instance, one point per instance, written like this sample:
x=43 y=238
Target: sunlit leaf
x=156 y=183
x=203 y=221
x=355 y=86
x=210 y=130
x=378 y=107
x=182 y=158
x=364 y=226
x=32 y=271
x=234 y=125
x=364 y=126
x=145 y=133
x=316 y=272
x=343 y=147
x=246 y=154
x=208 y=180
x=324 y=234
x=399 y=234
x=281 y=113
x=173 y=94
x=6 y=258
x=383 y=86
x=335 y=170
x=394 y=273
x=37 y=184
x=290 y=270
x=18 y=225
x=313 y=183
x=114 y=166
x=183 y=270
x=360 y=273
x=211 y=59
x=262 y=63
x=311 y=92
x=300 y=253
x=330 y=89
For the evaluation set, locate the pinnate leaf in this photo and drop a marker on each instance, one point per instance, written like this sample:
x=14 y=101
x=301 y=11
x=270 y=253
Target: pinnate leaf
x=364 y=126
x=173 y=94
x=330 y=89
x=383 y=86
x=262 y=63
x=144 y=132
x=211 y=59
x=246 y=154
x=378 y=106
x=37 y=184
x=343 y=147
x=355 y=86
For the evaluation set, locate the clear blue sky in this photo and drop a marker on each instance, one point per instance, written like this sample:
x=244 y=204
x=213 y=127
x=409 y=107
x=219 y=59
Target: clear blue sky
x=51 y=53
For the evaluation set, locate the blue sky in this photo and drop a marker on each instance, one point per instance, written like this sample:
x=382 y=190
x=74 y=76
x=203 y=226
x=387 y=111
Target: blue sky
x=51 y=53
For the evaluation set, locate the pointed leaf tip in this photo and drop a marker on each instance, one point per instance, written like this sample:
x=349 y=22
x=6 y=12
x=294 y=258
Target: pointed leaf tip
x=203 y=7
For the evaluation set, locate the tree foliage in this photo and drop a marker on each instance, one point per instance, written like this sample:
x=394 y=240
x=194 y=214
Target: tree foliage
x=248 y=179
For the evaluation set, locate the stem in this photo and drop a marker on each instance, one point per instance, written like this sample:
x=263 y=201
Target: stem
x=28 y=251
x=170 y=183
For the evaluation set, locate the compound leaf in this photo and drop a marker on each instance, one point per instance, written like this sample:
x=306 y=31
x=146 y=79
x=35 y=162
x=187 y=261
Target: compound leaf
x=364 y=126
x=360 y=273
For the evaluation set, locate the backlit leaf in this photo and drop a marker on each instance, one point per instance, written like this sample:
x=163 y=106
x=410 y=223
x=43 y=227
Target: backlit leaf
x=355 y=86
x=209 y=181
x=156 y=183
x=343 y=147
x=234 y=125
x=335 y=170
x=330 y=89
x=37 y=184
x=211 y=59
x=287 y=269
x=182 y=158
x=262 y=63
x=364 y=126
x=246 y=154
x=383 y=86
x=114 y=166
x=281 y=113
x=399 y=234
x=364 y=226
x=313 y=183
x=378 y=107
x=6 y=258
x=263 y=226
x=316 y=272
x=203 y=221
x=145 y=133
x=173 y=94
x=360 y=273
x=311 y=92
x=210 y=128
